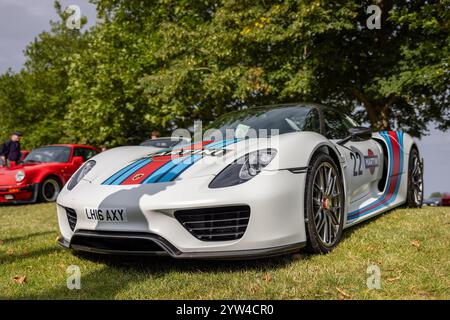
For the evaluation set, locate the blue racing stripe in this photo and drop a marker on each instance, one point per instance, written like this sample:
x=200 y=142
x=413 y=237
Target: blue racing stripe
x=180 y=168
x=175 y=167
x=174 y=172
x=158 y=174
x=131 y=166
x=127 y=173
x=222 y=143
x=177 y=170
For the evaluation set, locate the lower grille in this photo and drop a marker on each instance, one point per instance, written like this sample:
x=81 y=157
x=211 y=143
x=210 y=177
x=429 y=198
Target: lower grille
x=122 y=243
x=72 y=218
x=116 y=244
x=215 y=224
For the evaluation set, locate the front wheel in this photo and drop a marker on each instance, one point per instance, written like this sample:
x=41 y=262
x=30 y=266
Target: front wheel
x=324 y=204
x=49 y=190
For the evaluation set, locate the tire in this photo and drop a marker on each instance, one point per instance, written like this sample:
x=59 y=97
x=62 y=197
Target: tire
x=324 y=211
x=49 y=189
x=414 y=197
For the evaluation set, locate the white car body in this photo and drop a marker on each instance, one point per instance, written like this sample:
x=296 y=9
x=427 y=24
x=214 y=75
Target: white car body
x=274 y=198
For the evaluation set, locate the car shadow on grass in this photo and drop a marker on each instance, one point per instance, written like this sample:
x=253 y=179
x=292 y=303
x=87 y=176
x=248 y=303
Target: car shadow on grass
x=118 y=273
x=160 y=265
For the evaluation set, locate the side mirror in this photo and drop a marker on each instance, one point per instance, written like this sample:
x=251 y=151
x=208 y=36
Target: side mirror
x=357 y=134
x=360 y=133
x=78 y=161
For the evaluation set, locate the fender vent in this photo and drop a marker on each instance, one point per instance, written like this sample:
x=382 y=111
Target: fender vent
x=72 y=218
x=215 y=224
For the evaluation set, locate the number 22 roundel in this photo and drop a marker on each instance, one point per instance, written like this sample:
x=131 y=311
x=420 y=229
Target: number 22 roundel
x=358 y=158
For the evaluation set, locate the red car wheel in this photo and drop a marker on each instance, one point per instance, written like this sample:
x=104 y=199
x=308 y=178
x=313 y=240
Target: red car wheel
x=49 y=189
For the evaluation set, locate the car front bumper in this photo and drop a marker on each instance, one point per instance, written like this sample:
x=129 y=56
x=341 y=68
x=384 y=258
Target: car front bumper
x=275 y=224
x=165 y=248
x=18 y=194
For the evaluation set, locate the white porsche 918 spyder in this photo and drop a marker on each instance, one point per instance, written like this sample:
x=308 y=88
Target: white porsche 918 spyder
x=246 y=195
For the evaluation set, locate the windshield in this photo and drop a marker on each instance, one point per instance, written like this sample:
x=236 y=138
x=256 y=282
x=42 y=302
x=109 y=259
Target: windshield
x=49 y=154
x=269 y=120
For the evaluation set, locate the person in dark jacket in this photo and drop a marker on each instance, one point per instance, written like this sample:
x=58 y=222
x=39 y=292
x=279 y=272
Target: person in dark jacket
x=10 y=150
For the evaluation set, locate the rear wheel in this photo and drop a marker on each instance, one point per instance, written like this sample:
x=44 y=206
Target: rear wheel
x=415 y=180
x=324 y=205
x=49 y=190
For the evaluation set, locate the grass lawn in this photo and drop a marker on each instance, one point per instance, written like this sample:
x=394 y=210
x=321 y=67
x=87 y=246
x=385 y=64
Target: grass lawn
x=411 y=248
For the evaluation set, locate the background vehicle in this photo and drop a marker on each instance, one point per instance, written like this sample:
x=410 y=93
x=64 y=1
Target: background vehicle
x=432 y=202
x=22 y=158
x=445 y=200
x=306 y=173
x=43 y=173
x=164 y=142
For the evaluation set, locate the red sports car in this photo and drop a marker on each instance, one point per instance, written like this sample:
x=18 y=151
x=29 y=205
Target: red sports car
x=43 y=173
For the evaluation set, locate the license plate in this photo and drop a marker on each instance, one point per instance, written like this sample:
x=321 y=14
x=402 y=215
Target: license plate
x=9 y=197
x=106 y=214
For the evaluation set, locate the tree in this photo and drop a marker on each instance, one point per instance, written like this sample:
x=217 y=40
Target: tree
x=436 y=195
x=281 y=51
x=109 y=105
x=47 y=64
x=13 y=115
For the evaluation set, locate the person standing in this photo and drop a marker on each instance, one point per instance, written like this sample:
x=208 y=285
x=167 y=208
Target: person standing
x=10 y=150
x=155 y=135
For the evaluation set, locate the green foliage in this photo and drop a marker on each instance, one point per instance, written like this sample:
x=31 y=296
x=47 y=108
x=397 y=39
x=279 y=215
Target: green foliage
x=163 y=64
x=199 y=61
x=436 y=195
x=12 y=99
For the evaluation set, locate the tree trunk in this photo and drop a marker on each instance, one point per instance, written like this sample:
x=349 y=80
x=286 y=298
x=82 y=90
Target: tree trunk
x=378 y=116
x=377 y=110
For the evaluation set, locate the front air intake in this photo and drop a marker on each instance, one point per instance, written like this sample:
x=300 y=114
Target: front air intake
x=115 y=242
x=71 y=218
x=215 y=224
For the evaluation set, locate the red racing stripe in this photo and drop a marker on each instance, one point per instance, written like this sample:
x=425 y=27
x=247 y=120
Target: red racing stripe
x=138 y=176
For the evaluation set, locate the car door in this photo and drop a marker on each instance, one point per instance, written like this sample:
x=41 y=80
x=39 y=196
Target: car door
x=362 y=158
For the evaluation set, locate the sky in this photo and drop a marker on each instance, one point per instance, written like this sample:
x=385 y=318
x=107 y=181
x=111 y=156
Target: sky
x=22 y=20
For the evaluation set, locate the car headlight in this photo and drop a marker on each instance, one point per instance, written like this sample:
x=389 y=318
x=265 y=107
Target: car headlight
x=243 y=169
x=80 y=174
x=20 y=175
